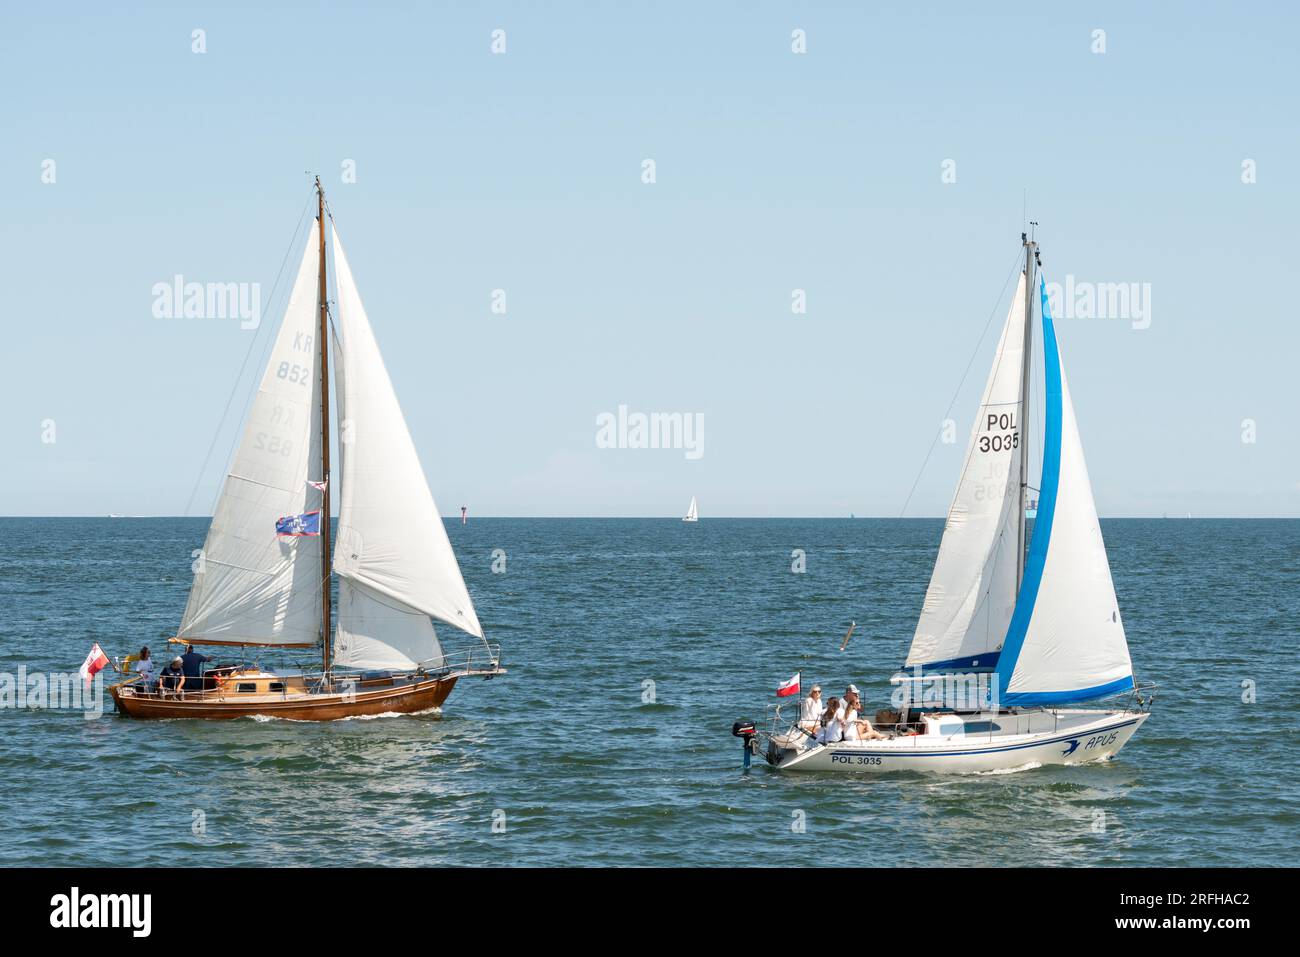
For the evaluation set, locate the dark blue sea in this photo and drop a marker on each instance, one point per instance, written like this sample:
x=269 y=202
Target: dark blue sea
x=632 y=646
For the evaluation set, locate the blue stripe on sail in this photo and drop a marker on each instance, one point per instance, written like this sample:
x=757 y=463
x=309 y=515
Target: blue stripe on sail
x=1051 y=481
x=1064 y=697
x=984 y=662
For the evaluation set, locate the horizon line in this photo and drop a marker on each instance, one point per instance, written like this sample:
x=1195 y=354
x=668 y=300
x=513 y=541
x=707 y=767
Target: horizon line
x=747 y=518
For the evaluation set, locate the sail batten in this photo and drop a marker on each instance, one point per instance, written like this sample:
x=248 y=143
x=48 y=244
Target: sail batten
x=250 y=586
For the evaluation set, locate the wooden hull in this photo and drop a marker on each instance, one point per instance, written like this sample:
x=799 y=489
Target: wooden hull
x=399 y=697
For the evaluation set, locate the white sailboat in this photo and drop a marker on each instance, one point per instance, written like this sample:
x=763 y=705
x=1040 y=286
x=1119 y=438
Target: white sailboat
x=264 y=576
x=1007 y=641
x=692 y=512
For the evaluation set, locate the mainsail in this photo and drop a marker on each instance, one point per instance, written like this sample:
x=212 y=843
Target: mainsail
x=692 y=511
x=395 y=564
x=1066 y=640
x=972 y=591
x=250 y=586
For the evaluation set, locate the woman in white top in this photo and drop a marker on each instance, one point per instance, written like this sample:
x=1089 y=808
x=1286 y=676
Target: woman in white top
x=832 y=729
x=144 y=667
x=811 y=713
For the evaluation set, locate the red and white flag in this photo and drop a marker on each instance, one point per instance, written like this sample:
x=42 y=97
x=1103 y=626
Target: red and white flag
x=318 y=486
x=94 y=664
x=789 y=688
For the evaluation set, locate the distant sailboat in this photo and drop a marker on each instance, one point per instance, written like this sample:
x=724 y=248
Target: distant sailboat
x=264 y=577
x=1023 y=636
x=692 y=512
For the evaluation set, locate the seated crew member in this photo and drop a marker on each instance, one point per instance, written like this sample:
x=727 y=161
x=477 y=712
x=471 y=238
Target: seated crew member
x=810 y=714
x=832 y=729
x=172 y=677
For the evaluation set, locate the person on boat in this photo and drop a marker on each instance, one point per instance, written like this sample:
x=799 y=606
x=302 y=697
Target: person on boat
x=832 y=728
x=172 y=676
x=856 y=728
x=811 y=713
x=144 y=668
x=850 y=692
x=192 y=663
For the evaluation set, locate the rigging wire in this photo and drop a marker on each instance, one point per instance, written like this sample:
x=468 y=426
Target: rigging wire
x=239 y=378
x=957 y=392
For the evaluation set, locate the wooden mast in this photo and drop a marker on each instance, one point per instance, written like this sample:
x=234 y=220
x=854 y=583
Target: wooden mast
x=323 y=338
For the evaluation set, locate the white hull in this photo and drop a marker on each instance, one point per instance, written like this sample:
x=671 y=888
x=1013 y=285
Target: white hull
x=1013 y=740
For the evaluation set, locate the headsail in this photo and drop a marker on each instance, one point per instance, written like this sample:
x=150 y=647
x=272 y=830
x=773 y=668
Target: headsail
x=250 y=586
x=395 y=564
x=1066 y=640
x=972 y=590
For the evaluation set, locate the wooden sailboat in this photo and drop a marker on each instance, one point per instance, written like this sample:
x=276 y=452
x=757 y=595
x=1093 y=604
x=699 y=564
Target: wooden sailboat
x=1014 y=630
x=264 y=577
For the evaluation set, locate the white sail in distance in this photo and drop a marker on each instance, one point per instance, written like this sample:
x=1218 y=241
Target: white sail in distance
x=395 y=563
x=972 y=592
x=250 y=585
x=692 y=512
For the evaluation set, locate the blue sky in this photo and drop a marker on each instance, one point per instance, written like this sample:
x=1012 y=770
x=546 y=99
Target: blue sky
x=775 y=171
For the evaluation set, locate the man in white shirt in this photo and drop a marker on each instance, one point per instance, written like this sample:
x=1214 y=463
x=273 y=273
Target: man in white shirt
x=810 y=715
x=855 y=728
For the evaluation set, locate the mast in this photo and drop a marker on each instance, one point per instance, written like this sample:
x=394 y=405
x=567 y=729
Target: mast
x=323 y=339
x=1031 y=250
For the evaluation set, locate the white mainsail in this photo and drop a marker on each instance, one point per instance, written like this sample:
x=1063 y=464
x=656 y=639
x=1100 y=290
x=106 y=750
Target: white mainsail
x=692 y=512
x=972 y=590
x=395 y=564
x=1066 y=641
x=250 y=585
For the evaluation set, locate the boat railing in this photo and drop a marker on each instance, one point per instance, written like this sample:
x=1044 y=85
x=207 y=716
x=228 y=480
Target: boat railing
x=778 y=726
x=482 y=660
x=1140 y=697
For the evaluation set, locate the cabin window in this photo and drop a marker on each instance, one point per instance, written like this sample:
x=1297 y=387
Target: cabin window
x=975 y=727
x=246 y=687
x=277 y=685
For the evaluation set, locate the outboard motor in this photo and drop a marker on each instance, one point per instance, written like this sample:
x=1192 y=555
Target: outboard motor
x=745 y=730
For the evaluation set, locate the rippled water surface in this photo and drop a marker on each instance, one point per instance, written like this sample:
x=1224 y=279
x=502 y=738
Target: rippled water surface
x=586 y=762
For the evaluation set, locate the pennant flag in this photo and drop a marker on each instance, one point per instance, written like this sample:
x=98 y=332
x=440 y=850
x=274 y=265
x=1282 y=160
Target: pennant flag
x=298 y=526
x=791 y=687
x=93 y=665
x=318 y=486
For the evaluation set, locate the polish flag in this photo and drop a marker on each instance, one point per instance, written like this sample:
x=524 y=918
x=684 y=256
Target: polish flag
x=789 y=688
x=94 y=663
x=318 y=486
